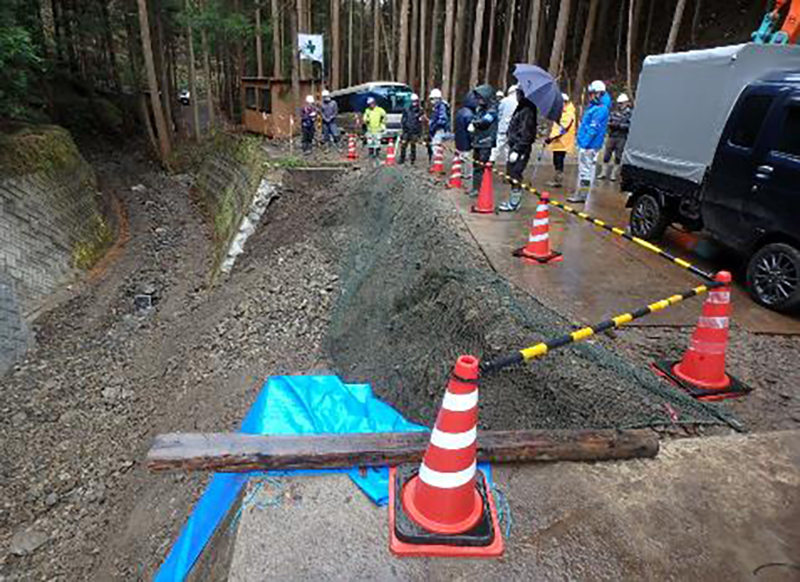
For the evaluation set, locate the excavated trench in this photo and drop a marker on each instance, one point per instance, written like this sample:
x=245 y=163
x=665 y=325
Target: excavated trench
x=416 y=292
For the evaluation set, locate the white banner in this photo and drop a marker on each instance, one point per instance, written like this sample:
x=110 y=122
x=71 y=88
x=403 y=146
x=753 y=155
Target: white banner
x=310 y=47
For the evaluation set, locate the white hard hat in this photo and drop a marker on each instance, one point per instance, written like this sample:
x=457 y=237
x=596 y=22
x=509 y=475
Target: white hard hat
x=499 y=94
x=564 y=97
x=435 y=94
x=326 y=93
x=370 y=100
x=309 y=98
x=414 y=97
x=597 y=87
x=512 y=89
x=623 y=98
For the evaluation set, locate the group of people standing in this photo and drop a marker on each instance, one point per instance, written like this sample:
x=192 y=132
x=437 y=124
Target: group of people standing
x=413 y=124
x=495 y=127
x=327 y=111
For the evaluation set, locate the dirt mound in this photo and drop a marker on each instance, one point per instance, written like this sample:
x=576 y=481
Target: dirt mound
x=417 y=292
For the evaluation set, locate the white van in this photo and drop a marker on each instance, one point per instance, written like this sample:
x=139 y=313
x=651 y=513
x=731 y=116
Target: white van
x=352 y=101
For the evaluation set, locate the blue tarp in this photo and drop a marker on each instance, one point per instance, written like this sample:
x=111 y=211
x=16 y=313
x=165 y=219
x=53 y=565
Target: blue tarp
x=289 y=405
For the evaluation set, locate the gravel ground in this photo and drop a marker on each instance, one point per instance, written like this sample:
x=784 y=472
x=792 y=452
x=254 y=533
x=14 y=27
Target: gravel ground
x=79 y=414
x=766 y=363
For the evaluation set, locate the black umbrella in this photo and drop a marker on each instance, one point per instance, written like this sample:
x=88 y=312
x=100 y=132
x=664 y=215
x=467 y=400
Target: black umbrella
x=541 y=90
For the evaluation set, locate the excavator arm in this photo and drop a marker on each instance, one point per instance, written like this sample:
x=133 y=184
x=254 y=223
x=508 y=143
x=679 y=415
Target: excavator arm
x=772 y=32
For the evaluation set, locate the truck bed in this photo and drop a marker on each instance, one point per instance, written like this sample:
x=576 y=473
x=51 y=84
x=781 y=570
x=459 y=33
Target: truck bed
x=684 y=100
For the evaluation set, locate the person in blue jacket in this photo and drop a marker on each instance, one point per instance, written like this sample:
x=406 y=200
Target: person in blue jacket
x=439 y=124
x=591 y=134
x=463 y=137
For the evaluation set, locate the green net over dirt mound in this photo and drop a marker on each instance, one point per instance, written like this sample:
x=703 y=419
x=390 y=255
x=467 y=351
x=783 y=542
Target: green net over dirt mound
x=417 y=293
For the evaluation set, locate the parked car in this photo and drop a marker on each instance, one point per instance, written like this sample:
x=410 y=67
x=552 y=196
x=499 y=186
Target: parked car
x=352 y=101
x=714 y=144
x=184 y=96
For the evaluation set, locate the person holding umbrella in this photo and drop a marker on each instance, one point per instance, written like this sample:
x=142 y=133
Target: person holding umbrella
x=521 y=135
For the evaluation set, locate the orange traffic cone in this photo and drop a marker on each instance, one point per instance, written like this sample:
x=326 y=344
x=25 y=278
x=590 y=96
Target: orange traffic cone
x=390 y=154
x=538 y=247
x=485 y=204
x=701 y=372
x=446 y=508
x=352 y=153
x=437 y=167
x=455 y=173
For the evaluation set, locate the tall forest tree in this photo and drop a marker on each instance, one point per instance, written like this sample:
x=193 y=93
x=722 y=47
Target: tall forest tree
x=477 y=39
x=676 y=26
x=152 y=82
x=557 y=54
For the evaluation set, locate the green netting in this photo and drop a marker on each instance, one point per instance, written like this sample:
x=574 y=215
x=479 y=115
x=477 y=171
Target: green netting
x=416 y=293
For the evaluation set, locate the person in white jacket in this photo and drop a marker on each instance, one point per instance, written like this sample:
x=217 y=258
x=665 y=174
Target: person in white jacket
x=506 y=109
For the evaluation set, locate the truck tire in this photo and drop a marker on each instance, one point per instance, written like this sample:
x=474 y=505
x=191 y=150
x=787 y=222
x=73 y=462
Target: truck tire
x=649 y=219
x=773 y=277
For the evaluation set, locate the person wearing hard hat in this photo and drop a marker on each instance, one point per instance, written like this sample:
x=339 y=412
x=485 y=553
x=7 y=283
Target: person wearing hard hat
x=308 y=123
x=375 y=124
x=505 y=110
x=439 y=123
x=591 y=134
x=618 y=125
x=411 y=124
x=562 y=140
x=328 y=111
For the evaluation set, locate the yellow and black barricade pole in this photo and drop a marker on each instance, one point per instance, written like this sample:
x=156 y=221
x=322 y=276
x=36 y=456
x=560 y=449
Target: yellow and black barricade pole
x=605 y=226
x=545 y=347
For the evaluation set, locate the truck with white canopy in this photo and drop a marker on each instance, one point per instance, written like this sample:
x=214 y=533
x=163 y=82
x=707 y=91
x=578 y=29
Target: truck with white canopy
x=714 y=144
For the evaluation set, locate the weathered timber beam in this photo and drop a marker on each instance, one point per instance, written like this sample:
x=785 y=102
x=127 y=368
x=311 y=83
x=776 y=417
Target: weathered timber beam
x=239 y=453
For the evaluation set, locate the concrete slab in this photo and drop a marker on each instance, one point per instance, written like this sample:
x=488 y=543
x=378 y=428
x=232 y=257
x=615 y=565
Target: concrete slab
x=603 y=275
x=719 y=508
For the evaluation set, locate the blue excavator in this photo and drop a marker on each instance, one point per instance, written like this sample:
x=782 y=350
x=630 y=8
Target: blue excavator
x=781 y=25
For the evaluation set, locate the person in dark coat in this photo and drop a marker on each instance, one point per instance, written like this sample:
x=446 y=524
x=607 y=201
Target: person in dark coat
x=308 y=123
x=411 y=123
x=483 y=130
x=463 y=138
x=619 y=124
x=521 y=135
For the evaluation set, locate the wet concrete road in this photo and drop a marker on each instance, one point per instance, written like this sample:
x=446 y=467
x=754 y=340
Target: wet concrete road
x=603 y=275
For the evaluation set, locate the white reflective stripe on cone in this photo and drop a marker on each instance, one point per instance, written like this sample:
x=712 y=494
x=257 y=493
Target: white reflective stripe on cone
x=460 y=402
x=540 y=221
x=541 y=208
x=713 y=322
x=453 y=441
x=446 y=480
x=719 y=297
x=707 y=347
x=538 y=237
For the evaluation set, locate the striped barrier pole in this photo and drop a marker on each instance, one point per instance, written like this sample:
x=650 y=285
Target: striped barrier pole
x=545 y=347
x=607 y=227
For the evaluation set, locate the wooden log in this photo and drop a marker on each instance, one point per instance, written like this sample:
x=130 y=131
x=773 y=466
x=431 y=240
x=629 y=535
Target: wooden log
x=238 y=453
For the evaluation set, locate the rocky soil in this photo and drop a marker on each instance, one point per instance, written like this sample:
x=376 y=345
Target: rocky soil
x=150 y=344
x=109 y=373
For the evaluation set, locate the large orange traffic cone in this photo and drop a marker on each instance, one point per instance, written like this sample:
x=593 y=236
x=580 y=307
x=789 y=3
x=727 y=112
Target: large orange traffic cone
x=538 y=247
x=352 y=152
x=446 y=508
x=485 y=203
x=455 y=173
x=437 y=167
x=701 y=372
